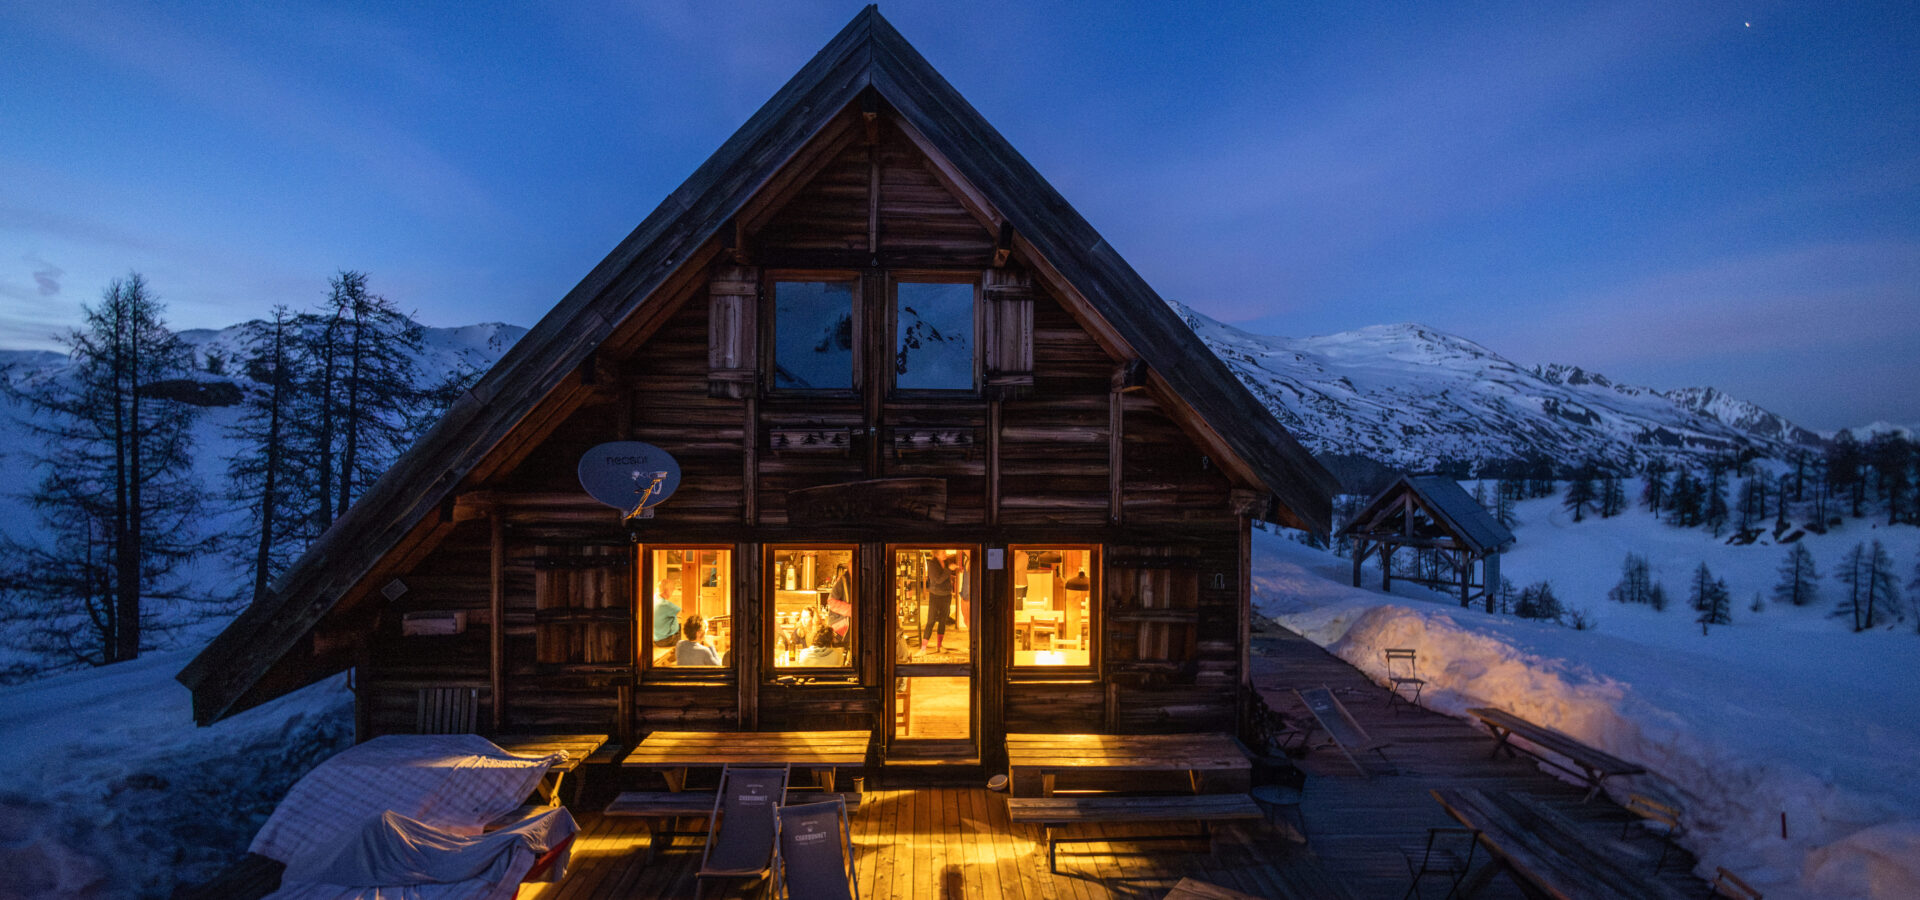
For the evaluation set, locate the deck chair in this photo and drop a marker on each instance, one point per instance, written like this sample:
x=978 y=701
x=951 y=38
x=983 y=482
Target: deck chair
x=446 y=710
x=1403 y=672
x=1334 y=719
x=740 y=836
x=815 y=853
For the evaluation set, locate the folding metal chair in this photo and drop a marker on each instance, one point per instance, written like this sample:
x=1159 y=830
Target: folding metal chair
x=1441 y=856
x=1403 y=671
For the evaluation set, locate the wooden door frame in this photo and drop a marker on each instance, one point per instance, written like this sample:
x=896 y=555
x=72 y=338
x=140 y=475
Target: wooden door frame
x=924 y=749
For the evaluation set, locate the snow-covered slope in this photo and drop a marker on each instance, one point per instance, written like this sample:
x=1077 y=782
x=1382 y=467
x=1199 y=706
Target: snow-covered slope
x=1415 y=398
x=1784 y=712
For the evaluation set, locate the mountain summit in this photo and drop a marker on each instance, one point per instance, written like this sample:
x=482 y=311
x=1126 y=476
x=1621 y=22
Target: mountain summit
x=1413 y=397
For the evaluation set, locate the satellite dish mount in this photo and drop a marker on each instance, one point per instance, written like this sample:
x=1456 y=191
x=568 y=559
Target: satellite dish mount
x=630 y=476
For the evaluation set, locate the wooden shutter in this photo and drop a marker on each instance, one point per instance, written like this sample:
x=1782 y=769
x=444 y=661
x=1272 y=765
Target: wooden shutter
x=1153 y=609
x=583 y=610
x=1008 y=327
x=732 y=345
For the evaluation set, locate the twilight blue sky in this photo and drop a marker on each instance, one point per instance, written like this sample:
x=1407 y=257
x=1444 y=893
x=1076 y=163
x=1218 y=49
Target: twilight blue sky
x=1672 y=193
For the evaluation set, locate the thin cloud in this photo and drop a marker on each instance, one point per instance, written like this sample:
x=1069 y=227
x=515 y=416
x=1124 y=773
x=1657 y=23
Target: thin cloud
x=222 y=78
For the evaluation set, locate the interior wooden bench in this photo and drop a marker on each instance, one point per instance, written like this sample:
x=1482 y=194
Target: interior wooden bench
x=1595 y=766
x=661 y=808
x=1053 y=812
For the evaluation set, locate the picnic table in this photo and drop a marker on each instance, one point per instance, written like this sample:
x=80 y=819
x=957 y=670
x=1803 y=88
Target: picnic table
x=1547 y=852
x=672 y=753
x=1209 y=760
x=578 y=748
x=1594 y=766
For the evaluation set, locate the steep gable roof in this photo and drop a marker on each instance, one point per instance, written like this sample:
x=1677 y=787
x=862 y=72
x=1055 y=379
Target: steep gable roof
x=867 y=54
x=1451 y=507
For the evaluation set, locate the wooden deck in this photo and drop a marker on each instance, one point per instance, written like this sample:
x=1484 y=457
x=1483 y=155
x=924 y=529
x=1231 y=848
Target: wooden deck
x=957 y=842
x=1358 y=825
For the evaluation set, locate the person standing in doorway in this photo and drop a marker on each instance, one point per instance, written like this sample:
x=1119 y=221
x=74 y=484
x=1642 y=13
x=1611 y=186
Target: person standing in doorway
x=940 y=582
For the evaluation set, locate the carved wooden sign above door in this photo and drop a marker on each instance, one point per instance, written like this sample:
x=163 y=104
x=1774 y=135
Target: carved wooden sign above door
x=877 y=501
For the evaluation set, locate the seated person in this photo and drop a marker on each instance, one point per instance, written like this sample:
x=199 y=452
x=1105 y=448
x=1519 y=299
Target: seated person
x=666 y=613
x=820 y=650
x=692 y=649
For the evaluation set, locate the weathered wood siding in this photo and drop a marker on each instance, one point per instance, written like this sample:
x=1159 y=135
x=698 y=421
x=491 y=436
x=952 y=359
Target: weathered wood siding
x=1173 y=554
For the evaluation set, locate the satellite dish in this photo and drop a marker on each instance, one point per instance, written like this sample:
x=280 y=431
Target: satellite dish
x=629 y=476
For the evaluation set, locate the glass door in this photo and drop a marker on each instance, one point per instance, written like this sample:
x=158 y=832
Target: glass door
x=934 y=605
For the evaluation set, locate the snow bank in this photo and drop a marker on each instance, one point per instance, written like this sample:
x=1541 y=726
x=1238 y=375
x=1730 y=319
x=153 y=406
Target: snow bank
x=113 y=792
x=1736 y=739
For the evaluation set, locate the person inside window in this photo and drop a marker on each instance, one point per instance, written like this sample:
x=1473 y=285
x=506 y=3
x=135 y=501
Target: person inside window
x=839 y=610
x=820 y=651
x=941 y=577
x=692 y=649
x=666 y=613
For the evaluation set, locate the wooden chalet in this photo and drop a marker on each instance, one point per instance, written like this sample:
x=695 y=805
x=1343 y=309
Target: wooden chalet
x=1433 y=513
x=950 y=470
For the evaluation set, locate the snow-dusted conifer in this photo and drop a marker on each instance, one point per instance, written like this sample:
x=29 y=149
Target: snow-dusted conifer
x=1580 y=496
x=1799 y=580
x=1537 y=601
x=1844 y=461
x=1713 y=512
x=1657 y=597
x=1716 y=606
x=1653 y=494
x=1636 y=583
x=1613 y=498
x=1871 y=596
x=117 y=493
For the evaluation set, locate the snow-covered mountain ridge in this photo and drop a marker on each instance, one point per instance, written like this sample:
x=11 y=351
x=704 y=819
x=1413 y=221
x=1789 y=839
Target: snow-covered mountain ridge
x=1412 y=397
x=1406 y=396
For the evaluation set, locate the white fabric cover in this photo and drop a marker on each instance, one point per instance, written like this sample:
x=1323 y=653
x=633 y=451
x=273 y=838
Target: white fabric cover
x=397 y=858
x=453 y=782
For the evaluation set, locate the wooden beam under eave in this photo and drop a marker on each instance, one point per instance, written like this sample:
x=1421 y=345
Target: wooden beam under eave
x=1116 y=458
x=1003 y=245
x=497 y=613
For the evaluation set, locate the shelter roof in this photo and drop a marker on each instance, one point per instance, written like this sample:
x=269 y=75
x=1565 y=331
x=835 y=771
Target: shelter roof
x=868 y=55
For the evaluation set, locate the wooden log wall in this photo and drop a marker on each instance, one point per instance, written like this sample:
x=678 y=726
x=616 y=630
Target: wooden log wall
x=1175 y=561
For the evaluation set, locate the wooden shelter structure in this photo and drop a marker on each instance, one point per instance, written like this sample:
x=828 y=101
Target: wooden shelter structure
x=1432 y=513
x=949 y=469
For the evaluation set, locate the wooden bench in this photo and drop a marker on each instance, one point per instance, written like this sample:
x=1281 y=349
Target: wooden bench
x=1547 y=854
x=1594 y=766
x=1053 y=812
x=661 y=808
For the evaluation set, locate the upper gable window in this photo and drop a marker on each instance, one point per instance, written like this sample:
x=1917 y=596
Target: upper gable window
x=933 y=335
x=813 y=335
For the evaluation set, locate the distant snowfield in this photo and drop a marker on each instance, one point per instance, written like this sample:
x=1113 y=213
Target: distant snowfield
x=1785 y=711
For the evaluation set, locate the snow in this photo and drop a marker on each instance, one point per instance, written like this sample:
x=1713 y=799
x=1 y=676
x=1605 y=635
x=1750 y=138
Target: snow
x=1417 y=398
x=1785 y=711
x=113 y=792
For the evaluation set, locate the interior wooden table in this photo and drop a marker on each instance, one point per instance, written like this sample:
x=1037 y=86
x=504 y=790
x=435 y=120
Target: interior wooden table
x=1211 y=761
x=1548 y=853
x=822 y=752
x=577 y=746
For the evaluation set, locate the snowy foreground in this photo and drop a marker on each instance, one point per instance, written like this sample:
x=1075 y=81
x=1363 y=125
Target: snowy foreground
x=113 y=792
x=1783 y=712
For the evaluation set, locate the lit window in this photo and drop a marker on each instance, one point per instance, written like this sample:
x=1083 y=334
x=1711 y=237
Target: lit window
x=933 y=336
x=813 y=335
x=813 y=607
x=1055 y=606
x=690 y=619
x=933 y=605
